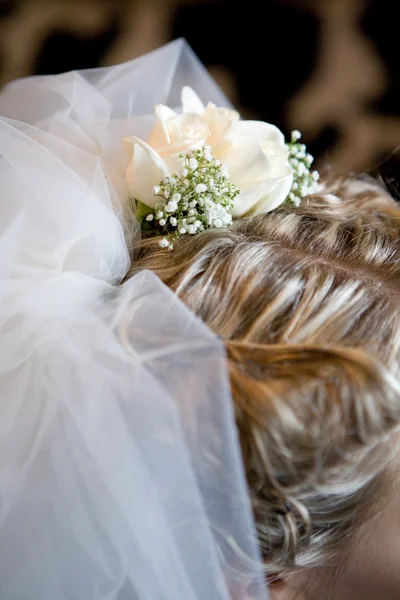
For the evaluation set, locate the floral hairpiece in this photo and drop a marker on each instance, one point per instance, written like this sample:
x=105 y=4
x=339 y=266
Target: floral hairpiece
x=204 y=167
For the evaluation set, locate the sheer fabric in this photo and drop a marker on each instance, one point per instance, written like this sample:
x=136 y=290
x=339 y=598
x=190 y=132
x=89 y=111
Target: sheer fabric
x=120 y=469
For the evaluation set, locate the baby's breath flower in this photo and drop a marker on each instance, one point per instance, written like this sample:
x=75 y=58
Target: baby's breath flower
x=301 y=168
x=198 y=198
x=296 y=135
x=164 y=243
x=207 y=153
x=150 y=217
x=304 y=191
x=200 y=188
x=171 y=206
x=304 y=181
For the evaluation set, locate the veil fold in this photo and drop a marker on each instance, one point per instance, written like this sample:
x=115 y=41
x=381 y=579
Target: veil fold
x=120 y=470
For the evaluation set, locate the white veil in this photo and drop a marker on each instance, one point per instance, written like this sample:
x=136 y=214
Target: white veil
x=120 y=469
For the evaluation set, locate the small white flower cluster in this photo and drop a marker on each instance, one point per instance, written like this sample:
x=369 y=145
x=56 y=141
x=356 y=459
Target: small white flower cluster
x=199 y=197
x=305 y=182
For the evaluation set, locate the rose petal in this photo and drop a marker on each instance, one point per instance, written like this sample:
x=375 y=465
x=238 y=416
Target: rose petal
x=246 y=162
x=218 y=120
x=264 y=196
x=187 y=126
x=174 y=162
x=254 y=130
x=159 y=136
x=191 y=103
x=277 y=153
x=145 y=170
x=172 y=154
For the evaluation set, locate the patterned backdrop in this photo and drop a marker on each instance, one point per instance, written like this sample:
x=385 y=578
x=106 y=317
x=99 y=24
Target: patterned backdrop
x=327 y=67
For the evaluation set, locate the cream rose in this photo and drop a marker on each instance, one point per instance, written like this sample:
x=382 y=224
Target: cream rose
x=253 y=152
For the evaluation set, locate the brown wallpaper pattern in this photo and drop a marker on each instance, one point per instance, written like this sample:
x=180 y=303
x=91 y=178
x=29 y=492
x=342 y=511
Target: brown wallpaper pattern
x=340 y=93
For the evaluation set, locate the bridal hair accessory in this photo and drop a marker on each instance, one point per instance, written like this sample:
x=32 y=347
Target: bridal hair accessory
x=204 y=167
x=305 y=182
x=198 y=198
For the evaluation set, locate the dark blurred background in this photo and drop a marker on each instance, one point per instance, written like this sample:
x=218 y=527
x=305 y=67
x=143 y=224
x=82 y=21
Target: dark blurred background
x=327 y=67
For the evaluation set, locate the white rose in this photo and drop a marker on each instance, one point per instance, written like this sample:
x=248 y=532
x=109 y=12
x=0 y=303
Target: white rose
x=217 y=119
x=158 y=158
x=257 y=161
x=253 y=152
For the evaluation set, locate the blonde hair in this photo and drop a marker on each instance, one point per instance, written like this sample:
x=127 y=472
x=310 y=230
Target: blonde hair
x=306 y=301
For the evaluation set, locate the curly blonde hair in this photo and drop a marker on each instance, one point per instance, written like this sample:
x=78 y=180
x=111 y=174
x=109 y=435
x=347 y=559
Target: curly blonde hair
x=306 y=301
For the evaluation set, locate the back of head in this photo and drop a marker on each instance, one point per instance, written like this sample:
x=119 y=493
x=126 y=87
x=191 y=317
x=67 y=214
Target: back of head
x=306 y=301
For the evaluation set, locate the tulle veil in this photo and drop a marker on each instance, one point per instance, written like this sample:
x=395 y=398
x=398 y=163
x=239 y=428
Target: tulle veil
x=120 y=470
